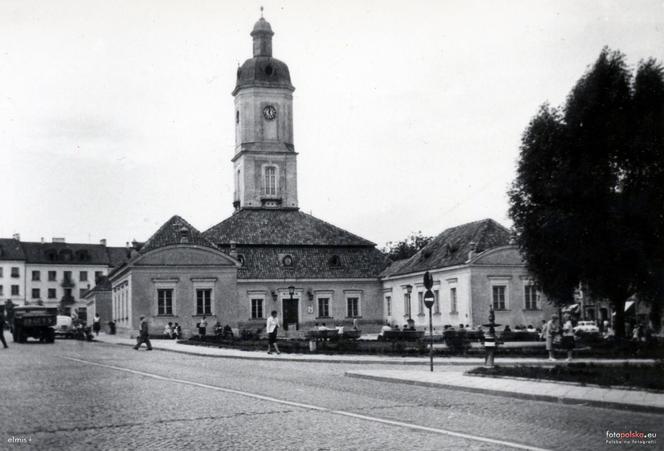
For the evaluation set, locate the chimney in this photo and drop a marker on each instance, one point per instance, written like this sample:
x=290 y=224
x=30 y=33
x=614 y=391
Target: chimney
x=57 y=240
x=17 y=236
x=473 y=248
x=233 y=251
x=102 y=241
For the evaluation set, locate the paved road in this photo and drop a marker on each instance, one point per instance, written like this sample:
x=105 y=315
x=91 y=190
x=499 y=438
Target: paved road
x=78 y=395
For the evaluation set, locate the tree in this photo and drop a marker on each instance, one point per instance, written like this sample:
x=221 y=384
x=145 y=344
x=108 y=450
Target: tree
x=588 y=199
x=406 y=248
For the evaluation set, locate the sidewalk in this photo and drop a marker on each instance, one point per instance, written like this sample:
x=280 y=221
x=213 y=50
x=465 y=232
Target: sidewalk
x=207 y=351
x=518 y=388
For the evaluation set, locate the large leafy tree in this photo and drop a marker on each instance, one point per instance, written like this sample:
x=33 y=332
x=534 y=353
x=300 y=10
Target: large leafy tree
x=407 y=247
x=588 y=200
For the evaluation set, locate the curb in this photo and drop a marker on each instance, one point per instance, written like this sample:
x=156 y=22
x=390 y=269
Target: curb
x=281 y=358
x=518 y=395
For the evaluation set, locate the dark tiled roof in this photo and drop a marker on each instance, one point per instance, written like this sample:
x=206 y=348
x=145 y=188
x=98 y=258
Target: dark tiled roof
x=65 y=253
x=101 y=284
x=451 y=247
x=394 y=267
x=117 y=256
x=176 y=231
x=280 y=227
x=11 y=249
x=310 y=262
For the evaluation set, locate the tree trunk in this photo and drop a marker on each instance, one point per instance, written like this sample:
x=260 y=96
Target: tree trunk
x=619 y=320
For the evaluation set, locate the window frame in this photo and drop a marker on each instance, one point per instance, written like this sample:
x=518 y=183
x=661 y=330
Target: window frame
x=83 y=276
x=534 y=303
x=52 y=291
x=36 y=291
x=36 y=275
x=15 y=272
x=498 y=287
x=353 y=295
x=260 y=301
x=270 y=174
x=15 y=290
x=206 y=302
x=170 y=290
x=388 y=305
x=454 y=300
x=54 y=274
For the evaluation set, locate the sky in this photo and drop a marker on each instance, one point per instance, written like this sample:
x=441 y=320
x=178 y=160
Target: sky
x=116 y=115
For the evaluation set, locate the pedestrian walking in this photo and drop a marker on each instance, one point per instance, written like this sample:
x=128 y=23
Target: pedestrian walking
x=143 y=335
x=177 y=331
x=2 y=329
x=202 y=326
x=552 y=329
x=568 y=336
x=96 y=324
x=272 y=329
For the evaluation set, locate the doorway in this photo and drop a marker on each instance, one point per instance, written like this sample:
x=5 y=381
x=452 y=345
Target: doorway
x=291 y=313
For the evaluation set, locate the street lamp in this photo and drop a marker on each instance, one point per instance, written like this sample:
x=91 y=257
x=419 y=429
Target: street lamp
x=429 y=299
x=409 y=289
x=291 y=291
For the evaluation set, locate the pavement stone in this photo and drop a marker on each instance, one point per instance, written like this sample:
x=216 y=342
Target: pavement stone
x=546 y=391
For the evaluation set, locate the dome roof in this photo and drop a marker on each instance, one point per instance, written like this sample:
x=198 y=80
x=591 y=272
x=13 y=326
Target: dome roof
x=262 y=26
x=263 y=71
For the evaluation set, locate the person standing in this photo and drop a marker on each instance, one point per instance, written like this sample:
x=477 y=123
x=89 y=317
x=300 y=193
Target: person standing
x=2 y=329
x=272 y=329
x=552 y=328
x=202 y=326
x=96 y=324
x=143 y=336
x=568 y=335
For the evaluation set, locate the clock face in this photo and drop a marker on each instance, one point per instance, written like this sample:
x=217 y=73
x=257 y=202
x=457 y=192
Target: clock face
x=269 y=112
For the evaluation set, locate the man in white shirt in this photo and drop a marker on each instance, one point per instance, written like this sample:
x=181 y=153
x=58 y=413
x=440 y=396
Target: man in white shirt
x=272 y=329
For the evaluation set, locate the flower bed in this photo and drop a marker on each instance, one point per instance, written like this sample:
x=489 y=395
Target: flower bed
x=649 y=377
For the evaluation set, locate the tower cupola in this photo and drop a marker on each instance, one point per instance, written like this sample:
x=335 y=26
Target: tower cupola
x=262 y=34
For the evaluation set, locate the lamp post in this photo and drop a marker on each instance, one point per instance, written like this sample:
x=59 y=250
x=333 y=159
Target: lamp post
x=409 y=290
x=428 y=302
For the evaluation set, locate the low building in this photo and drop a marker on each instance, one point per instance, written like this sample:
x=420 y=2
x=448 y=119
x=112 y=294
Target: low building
x=98 y=299
x=176 y=276
x=473 y=266
x=12 y=271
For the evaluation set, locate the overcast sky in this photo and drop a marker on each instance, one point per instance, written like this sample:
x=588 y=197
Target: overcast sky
x=115 y=115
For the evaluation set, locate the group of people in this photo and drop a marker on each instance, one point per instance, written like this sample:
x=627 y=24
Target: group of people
x=172 y=331
x=552 y=330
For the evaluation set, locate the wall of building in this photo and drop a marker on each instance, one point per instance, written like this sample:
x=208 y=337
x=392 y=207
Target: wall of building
x=7 y=281
x=308 y=292
x=78 y=285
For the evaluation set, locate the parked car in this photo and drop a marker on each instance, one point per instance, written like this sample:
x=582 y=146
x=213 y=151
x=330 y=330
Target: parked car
x=588 y=327
x=64 y=326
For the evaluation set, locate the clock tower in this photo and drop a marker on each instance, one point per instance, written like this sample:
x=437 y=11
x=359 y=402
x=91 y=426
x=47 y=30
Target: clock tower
x=264 y=164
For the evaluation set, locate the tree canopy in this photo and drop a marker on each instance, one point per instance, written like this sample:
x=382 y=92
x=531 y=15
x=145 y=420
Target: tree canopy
x=407 y=247
x=588 y=199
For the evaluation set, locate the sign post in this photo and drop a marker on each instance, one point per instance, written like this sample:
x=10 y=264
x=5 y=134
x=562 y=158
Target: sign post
x=429 y=299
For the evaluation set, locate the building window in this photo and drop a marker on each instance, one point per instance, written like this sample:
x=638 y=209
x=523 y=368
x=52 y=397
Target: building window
x=36 y=275
x=499 y=297
x=388 y=305
x=453 y=300
x=15 y=272
x=51 y=293
x=68 y=294
x=98 y=275
x=67 y=276
x=270 y=180
x=204 y=301
x=81 y=291
x=436 y=302
x=257 y=309
x=15 y=290
x=52 y=276
x=83 y=276
x=35 y=293
x=165 y=301
x=1 y=275
x=531 y=296
x=82 y=313
x=420 y=303
x=324 y=307
x=237 y=117
x=353 y=306
x=2 y=290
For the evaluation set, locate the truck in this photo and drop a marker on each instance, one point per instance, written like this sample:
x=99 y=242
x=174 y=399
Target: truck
x=34 y=321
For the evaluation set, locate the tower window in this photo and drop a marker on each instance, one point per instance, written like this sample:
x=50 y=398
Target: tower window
x=268 y=69
x=270 y=180
x=237 y=117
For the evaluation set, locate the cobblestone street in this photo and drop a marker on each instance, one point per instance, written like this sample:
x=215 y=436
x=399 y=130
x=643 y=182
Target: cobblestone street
x=79 y=395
